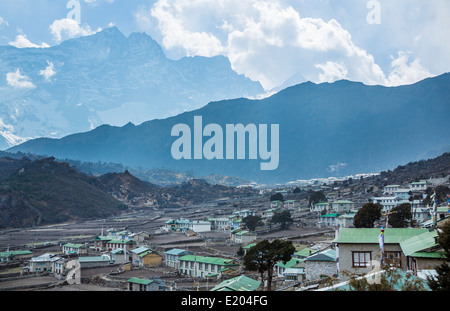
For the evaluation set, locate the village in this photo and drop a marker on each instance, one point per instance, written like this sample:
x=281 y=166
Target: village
x=201 y=247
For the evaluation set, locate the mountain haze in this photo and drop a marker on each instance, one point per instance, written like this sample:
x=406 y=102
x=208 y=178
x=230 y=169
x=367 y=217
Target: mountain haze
x=328 y=129
x=105 y=78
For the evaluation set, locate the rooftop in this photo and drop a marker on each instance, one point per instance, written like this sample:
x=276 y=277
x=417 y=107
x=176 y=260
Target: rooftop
x=327 y=255
x=139 y=281
x=240 y=283
x=210 y=260
x=72 y=245
x=176 y=251
x=421 y=245
x=370 y=235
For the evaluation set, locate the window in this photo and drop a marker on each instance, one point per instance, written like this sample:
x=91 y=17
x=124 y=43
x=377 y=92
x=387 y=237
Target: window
x=361 y=259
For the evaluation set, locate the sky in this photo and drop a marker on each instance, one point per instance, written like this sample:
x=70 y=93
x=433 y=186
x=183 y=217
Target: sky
x=276 y=42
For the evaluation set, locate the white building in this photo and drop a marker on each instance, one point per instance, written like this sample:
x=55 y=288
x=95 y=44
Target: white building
x=290 y=203
x=388 y=203
x=243 y=213
x=329 y=220
x=402 y=193
x=346 y=220
x=342 y=206
x=45 y=262
x=319 y=207
x=177 y=224
x=418 y=186
x=119 y=256
x=71 y=248
x=219 y=223
x=173 y=255
x=390 y=189
x=240 y=236
x=200 y=226
x=202 y=267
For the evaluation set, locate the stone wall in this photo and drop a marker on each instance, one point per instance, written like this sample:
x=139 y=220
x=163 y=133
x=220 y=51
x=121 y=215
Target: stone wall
x=316 y=269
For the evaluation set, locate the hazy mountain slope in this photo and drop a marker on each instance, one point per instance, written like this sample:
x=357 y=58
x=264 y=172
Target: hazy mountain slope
x=44 y=192
x=329 y=129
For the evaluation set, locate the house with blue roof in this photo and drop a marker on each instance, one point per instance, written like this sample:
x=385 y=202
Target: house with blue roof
x=173 y=255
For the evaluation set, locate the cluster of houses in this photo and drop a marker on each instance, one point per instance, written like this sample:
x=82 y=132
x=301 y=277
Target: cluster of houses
x=353 y=250
x=232 y=222
x=341 y=213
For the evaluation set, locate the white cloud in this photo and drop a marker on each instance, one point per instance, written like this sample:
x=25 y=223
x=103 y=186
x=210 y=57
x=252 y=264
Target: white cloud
x=69 y=28
x=23 y=42
x=332 y=71
x=271 y=42
x=406 y=73
x=264 y=40
x=171 y=24
x=48 y=72
x=15 y=79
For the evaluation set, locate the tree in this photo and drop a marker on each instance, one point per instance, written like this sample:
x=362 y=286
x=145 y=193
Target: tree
x=264 y=255
x=283 y=218
x=297 y=190
x=389 y=279
x=277 y=197
x=400 y=216
x=317 y=197
x=252 y=222
x=367 y=215
x=441 y=282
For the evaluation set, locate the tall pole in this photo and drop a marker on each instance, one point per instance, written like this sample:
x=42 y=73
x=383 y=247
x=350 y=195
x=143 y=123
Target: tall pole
x=434 y=209
x=381 y=242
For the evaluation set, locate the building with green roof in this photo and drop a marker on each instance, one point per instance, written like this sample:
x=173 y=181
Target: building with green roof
x=305 y=252
x=201 y=266
x=247 y=247
x=422 y=251
x=319 y=207
x=329 y=220
x=101 y=241
x=123 y=244
x=72 y=248
x=358 y=247
x=238 y=284
x=345 y=220
x=242 y=236
x=95 y=261
x=137 y=284
x=342 y=206
x=180 y=224
x=292 y=270
x=15 y=255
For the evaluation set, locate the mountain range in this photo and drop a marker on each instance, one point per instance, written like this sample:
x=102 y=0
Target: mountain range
x=328 y=129
x=105 y=78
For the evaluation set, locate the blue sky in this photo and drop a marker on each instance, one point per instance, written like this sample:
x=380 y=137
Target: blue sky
x=277 y=42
